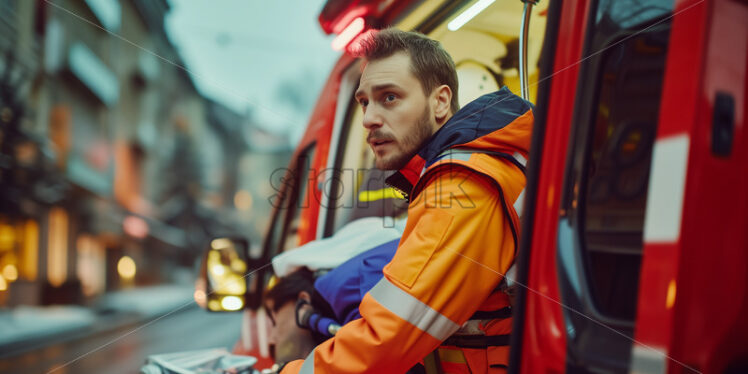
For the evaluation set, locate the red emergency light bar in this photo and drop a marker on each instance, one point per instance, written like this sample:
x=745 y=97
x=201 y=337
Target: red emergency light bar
x=355 y=46
x=338 y=14
x=351 y=18
x=353 y=30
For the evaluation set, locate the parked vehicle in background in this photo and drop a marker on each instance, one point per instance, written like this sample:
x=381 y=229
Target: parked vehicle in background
x=633 y=249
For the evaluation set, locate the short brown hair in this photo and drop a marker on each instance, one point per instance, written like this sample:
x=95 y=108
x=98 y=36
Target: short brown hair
x=429 y=62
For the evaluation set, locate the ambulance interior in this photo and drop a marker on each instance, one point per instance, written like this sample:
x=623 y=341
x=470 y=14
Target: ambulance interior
x=486 y=53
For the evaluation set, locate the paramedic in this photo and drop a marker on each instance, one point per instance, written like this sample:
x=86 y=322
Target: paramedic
x=439 y=301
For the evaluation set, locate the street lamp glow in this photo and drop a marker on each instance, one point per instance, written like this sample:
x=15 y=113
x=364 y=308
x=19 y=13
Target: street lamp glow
x=10 y=272
x=468 y=14
x=126 y=267
x=243 y=200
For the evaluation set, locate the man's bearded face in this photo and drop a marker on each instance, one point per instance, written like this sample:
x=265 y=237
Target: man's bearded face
x=396 y=111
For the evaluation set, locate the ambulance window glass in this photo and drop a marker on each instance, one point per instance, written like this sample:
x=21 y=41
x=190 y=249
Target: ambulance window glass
x=623 y=102
x=301 y=200
x=285 y=224
x=272 y=246
x=354 y=159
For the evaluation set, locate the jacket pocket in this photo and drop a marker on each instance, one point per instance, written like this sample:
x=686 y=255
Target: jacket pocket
x=416 y=250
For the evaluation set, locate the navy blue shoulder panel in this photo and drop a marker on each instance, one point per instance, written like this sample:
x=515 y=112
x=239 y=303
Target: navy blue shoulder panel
x=478 y=118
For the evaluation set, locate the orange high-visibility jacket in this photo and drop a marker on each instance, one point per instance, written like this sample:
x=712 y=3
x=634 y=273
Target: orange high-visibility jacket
x=459 y=240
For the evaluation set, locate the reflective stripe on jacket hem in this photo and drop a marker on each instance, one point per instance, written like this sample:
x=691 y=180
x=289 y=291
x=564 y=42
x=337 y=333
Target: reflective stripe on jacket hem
x=407 y=307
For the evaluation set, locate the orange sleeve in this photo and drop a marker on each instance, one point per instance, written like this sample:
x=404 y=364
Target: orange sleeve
x=456 y=247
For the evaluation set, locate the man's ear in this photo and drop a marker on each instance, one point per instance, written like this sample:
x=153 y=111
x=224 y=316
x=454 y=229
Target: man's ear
x=305 y=295
x=442 y=103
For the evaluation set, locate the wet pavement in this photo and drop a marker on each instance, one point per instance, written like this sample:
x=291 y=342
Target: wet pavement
x=124 y=350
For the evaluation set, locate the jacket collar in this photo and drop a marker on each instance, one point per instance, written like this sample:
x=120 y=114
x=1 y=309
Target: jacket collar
x=475 y=126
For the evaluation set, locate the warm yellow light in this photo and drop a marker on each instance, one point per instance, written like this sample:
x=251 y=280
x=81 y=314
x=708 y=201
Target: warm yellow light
x=57 y=256
x=232 y=303
x=670 y=300
x=243 y=200
x=235 y=286
x=7 y=237
x=217 y=270
x=272 y=282
x=30 y=255
x=214 y=305
x=126 y=267
x=220 y=243
x=10 y=272
x=238 y=266
x=3 y=284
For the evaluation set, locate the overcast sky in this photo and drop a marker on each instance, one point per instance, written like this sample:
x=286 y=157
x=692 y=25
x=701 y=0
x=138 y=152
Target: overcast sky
x=242 y=51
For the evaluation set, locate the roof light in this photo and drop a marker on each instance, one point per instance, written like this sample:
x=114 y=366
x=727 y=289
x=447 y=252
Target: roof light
x=348 y=34
x=467 y=15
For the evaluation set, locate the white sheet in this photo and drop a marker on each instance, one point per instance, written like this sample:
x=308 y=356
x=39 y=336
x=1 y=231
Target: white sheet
x=352 y=239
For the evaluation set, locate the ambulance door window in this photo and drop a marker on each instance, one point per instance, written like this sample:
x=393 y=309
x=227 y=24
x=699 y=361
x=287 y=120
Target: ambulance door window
x=283 y=233
x=600 y=233
x=299 y=199
x=354 y=159
x=289 y=204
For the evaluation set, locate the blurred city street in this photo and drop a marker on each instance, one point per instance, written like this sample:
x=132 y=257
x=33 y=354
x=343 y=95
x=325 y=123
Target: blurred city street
x=199 y=186
x=132 y=133
x=122 y=351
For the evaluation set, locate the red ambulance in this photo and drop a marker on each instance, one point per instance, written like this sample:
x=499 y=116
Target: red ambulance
x=634 y=242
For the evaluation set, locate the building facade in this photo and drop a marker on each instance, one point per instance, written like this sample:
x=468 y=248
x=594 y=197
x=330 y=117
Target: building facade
x=114 y=170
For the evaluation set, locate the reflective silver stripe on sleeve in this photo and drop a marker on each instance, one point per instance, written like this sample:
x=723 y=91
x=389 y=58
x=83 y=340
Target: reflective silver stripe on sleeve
x=308 y=366
x=407 y=307
x=521 y=159
x=520 y=203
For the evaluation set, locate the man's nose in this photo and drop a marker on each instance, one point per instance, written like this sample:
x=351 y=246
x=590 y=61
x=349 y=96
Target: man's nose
x=372 y=118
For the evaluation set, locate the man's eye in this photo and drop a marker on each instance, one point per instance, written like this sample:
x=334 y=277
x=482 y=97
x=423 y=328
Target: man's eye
x=363 y=102
x=390 y=97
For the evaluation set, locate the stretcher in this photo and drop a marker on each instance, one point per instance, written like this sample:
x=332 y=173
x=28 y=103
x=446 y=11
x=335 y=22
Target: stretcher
x=204 y=361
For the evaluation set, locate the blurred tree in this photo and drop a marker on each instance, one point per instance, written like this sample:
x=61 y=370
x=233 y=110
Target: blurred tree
x=183 y=190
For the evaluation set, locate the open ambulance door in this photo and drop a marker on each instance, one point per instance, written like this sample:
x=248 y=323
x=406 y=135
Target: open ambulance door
x=634 y=235
x=693 y=294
